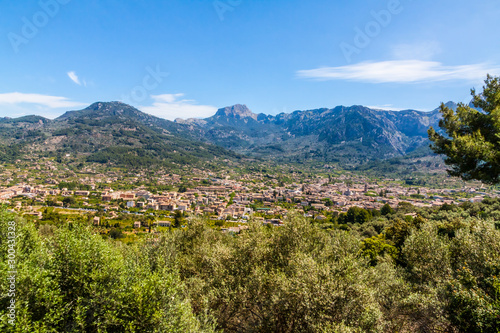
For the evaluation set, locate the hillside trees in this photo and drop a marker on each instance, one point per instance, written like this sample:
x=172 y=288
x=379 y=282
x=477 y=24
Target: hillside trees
x=386 y=209
x=71 y=280
x=436 y=272
x=471 y=138
x=296 y=278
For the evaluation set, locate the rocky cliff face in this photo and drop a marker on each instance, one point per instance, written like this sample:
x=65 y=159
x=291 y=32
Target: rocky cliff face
x=323 y=134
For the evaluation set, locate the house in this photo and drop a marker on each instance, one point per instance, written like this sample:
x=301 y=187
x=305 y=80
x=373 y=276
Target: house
x=144 y=194
x=107 y=197
x=348 y=193
x=97 y=220
x=152 y=206
x=168 y=206
x=35 y=214
x=137 y=224
x=318 y=206
x=275 y=221
x=182 y=207
x=236 y=230
x=163 y=223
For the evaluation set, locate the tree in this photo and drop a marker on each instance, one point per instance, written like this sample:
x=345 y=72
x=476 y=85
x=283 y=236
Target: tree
x=116 y=233
x=471 y=141
x=149 y=220
x=231 y=199
x=68 y=201
x=386 y=209
x=376 y=247
x=178 y=219
x=70 y=279
x=358 y=215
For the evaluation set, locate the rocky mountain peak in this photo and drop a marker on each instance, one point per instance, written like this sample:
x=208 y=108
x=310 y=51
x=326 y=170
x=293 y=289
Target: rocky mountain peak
x=451 y=105
x=236 y=111
x=106 y=109
x=107 y=105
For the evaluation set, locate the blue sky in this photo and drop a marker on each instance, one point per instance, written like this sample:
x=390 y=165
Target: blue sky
x=186 y=58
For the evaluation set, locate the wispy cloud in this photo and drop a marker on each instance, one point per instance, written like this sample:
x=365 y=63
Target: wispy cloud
x=401 y=71
x=172 y=106
x=72 y=75
x=44 y=100
x=385 y=107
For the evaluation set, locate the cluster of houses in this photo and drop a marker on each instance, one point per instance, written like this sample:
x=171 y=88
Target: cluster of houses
x=236 y=200
x=224 y=196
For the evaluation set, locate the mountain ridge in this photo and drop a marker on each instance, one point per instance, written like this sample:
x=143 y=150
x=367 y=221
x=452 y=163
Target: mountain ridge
x=318 y=133
x=345 y=134
x=111 y=132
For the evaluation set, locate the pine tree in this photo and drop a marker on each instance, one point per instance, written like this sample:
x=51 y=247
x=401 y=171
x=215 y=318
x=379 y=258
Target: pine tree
x=471 y=138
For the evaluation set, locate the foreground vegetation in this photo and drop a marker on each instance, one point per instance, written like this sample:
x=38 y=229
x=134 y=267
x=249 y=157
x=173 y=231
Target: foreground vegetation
x=434 y=270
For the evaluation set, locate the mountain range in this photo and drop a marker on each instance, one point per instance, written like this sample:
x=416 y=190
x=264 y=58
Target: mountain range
x=351 y=135
x=119 y=133
x=111 y=132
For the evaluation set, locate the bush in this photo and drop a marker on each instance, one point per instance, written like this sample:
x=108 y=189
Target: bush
x=295 y=278
x=74 y=281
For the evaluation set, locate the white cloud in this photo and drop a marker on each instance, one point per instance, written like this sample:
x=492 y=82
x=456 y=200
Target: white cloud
x=385 y=107
x=401 y=71
x=171 y=106
x=168 y=98
x=72 y=75
x=43 y=100
x=17 y=104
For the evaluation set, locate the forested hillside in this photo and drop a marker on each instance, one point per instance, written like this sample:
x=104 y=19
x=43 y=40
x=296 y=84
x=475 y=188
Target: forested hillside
x=113 y=133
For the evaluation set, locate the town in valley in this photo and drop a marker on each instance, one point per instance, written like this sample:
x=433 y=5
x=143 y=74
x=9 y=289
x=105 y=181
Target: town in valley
x=140 y=201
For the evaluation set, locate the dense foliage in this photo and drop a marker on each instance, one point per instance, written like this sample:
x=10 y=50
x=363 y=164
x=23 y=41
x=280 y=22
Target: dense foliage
x=471 y=142
x=71 y=280
x=426 y=271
